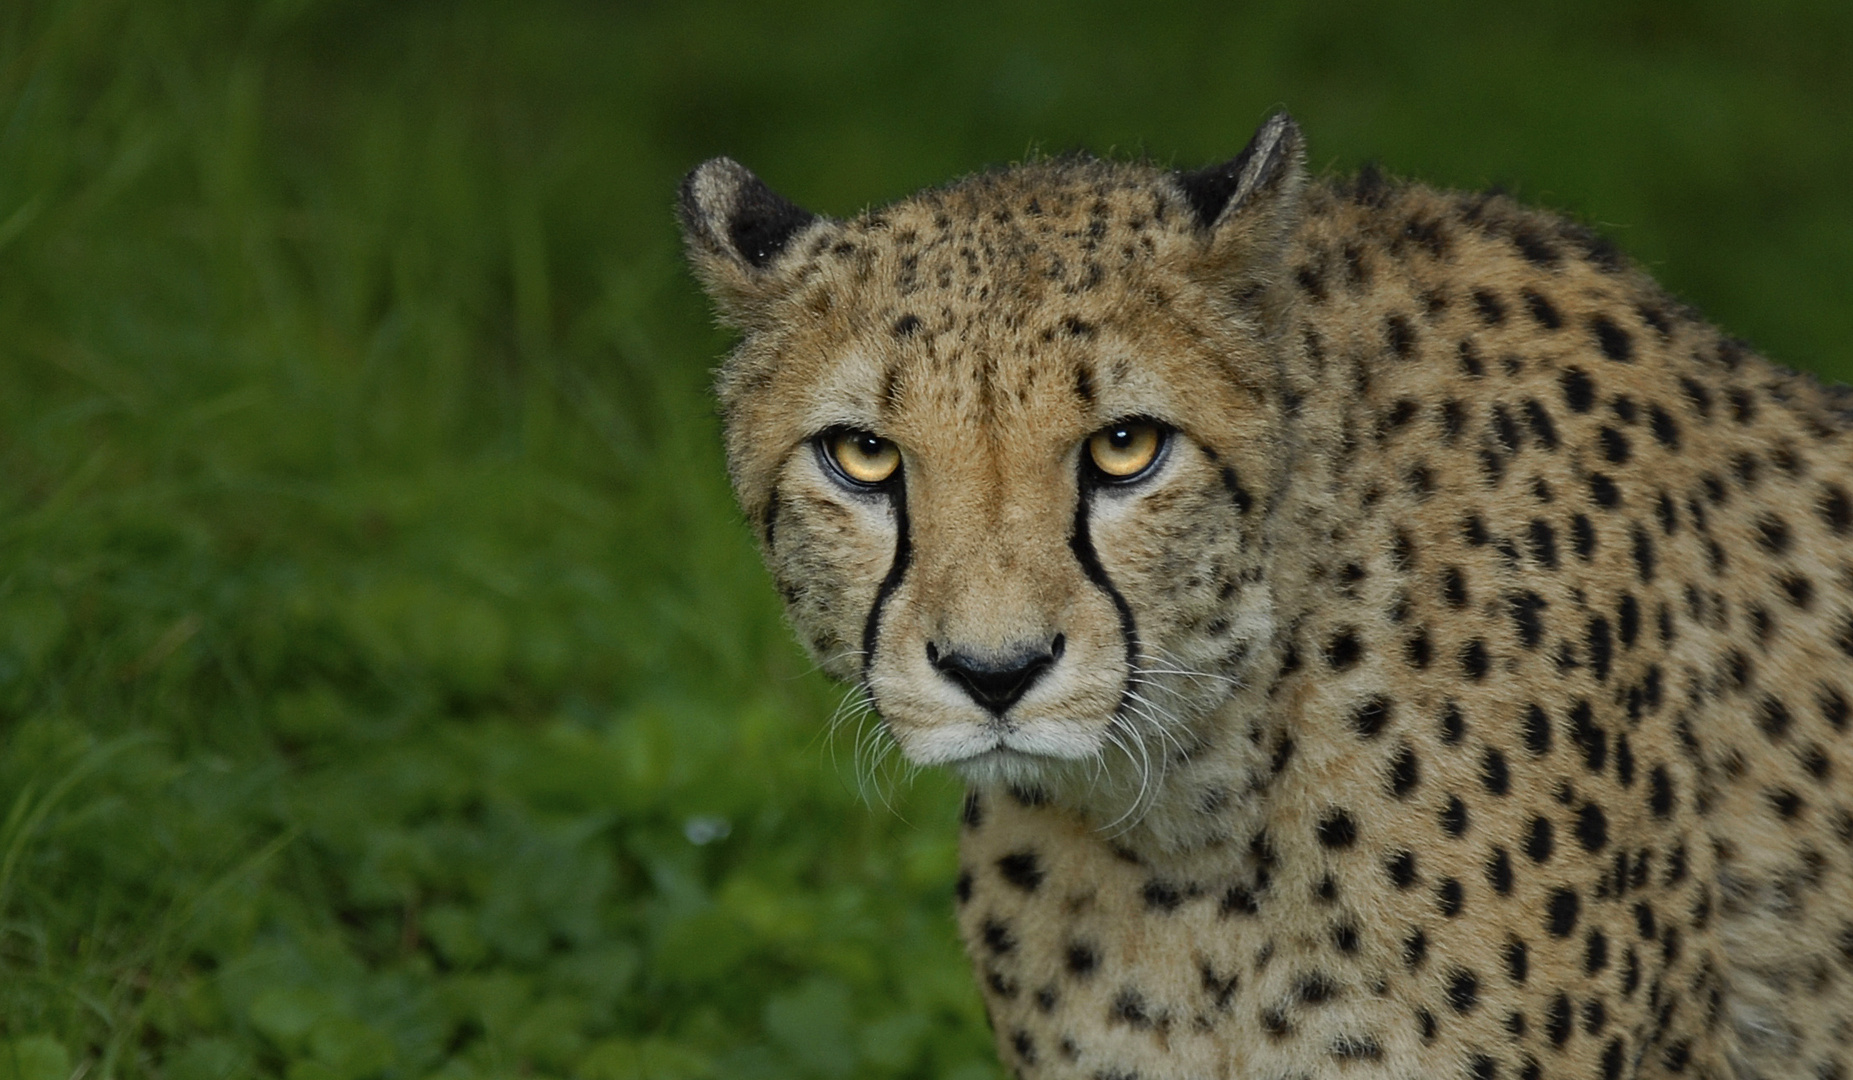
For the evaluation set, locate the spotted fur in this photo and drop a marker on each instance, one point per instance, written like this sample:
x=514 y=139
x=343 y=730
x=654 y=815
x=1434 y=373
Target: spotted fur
x=1463 y=694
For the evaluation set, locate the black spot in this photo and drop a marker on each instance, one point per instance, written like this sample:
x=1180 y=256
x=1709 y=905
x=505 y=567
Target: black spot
x=963 y=888
x=1082 y=959
x=1499 y=872
x=1315 y=988
x=1596 y=641
x=1835 y=508
x=1582 y=537
x=1743 y=406
x=1535 y=248
x=1338 y=830
x=1370 y=716
x=1345 y=938
x=1579 y=393
x=1239 y=900
x=1506 y=430
x=1454 y=816
x=1613 y=1057
x=906 y=325
x=1592 y=828
x=1077 y=327
x=1404 y=772
x=1463 y=990
x=1518 y=960
x=1021 y=869
x=1643 y=554
x=1025 y=1046
x=1543 y=538
x=1283 y=752
x=1561 y=912
x=1834 y=708
x=1491 y=309
x=1664 y=428
x=1369 y=188
x=1773 y=717
x=1558 y=1020
x=1417 y=650
x=1129 y=1008
x=1344 y=650
x=1471 y=364
x=1615 y=343
x=1494 y=773
x=1453 y=419
x=1161 y=895
x=1453 y=724
x=1425 y=1023
x=1773 y=534
x=1415 y=948
x=1474 y=659
x=1399 y=335
x=1312 y=282
x=1785 y=802
x=1540 y=840
x=1589 y=737
x=973 y=813
x=1660 y=791
x=1603 y=490
x=997 y=937
x=1543 y=312
x=1356 y=1048
x=1402 y=870
x=1628 y=619
x=1615 y=446
x=1449 y=897
x=1527 y=608
x=1537 y=730
x=1454 y=587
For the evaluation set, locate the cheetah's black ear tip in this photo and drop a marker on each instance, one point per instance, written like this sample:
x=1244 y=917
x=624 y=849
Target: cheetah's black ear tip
x=1274 y=157
x=726 y=210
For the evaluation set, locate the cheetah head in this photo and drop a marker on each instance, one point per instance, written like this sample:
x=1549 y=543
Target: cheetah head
x=1009 y=445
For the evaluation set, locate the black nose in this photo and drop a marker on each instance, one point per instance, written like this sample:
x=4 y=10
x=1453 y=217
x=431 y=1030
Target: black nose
x=997 y=681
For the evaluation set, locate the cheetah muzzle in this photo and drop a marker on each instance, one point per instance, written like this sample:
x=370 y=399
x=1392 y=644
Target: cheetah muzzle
x=1384 y=633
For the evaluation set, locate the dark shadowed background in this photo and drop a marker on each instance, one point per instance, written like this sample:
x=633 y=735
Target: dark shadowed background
x=388 y=687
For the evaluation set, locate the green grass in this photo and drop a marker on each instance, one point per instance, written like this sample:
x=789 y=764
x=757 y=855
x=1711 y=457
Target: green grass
x=377 y=635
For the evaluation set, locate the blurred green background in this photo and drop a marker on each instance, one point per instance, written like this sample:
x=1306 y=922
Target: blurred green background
x=387 y=684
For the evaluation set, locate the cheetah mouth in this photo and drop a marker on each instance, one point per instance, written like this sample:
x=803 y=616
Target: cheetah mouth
x=994 y=752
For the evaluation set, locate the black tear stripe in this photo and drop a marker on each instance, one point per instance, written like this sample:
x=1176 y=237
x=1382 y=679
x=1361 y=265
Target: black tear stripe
x=769 y=520
x=903 y=557
x=1082 y=544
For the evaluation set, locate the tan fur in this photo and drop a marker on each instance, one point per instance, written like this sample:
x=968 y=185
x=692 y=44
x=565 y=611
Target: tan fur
x=1465 y=526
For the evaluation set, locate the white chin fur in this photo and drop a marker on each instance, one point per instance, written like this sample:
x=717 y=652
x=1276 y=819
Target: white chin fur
x=983 y=753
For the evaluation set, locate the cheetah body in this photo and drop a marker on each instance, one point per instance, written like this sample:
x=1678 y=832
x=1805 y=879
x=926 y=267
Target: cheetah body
x=1463 y=695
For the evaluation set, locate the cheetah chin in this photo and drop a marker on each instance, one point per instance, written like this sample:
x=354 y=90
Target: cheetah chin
x=1383 y=632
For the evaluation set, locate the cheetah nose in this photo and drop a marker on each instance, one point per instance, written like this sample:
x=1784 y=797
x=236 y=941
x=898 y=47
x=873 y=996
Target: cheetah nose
x=997 y=680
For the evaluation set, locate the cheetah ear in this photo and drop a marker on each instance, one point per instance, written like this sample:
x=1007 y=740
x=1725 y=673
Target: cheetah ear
x=1271 y=166
x=1248 y=208
x=739 y=233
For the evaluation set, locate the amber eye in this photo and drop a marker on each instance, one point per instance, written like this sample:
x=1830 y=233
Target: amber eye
x=1123 y=451
x=863 y=458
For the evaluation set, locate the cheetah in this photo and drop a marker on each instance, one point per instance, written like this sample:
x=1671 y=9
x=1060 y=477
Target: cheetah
x=1384 y=634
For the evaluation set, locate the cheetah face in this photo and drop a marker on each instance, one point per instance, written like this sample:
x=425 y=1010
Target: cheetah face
x=1010 y=452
